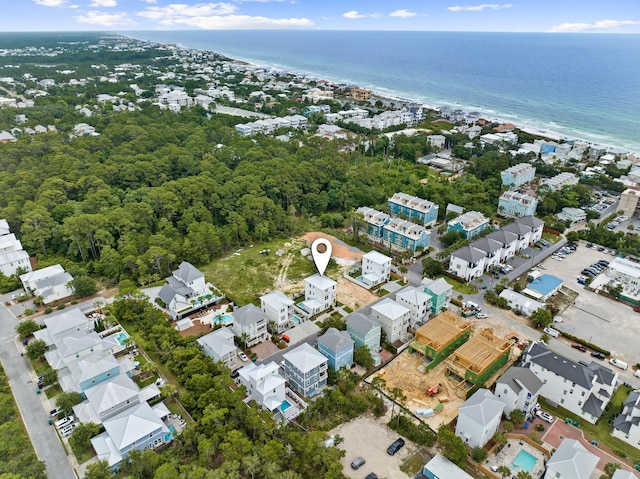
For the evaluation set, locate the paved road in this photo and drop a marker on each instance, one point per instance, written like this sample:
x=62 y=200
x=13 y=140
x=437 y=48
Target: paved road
x=43 y=436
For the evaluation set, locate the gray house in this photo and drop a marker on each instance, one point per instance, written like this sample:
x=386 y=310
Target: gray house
x=571 y=461
x=518 y=388
x=252 y=321
x=306 y=370
x=479 y=418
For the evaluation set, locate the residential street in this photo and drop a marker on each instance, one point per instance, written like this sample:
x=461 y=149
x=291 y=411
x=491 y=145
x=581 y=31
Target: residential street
x=21 y=378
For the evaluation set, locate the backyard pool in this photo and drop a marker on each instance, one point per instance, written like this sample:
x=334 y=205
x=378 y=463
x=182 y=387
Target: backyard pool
x=524 y=461
x=285 y=405
x=167 y=437
x=224 y=319
x=122 y=338
x=296 y=319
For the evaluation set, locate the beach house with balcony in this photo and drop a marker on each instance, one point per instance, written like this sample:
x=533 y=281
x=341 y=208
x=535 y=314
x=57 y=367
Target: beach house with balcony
x=319 y=294
x=264 y=384
x=491 y=248
x=626 y=425
x=571 y=460
x=337 y=347
x=393 y=318
x=376 y=268
x=508 y=241
x=513 y=204
x=219 y=345
x=418 y=302
x=279 y=310
x=572 y=215
x=400 y=235
x=518 y=175
x=560 y=180
x=50 y=283
x=250 y=322
x=305 y=369
x=364 y=331
x=440 y=292
x=479 y=418
x=518 y=388
x=374 y=222
x=411 y=207
x=467 y=262
x=471 y=224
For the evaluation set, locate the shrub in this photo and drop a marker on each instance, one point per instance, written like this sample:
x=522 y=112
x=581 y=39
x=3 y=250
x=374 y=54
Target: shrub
x=60 y=307
x=29 y=312
x=48 y=310
x=620 y=453
x=479 y=454
x=540 y=427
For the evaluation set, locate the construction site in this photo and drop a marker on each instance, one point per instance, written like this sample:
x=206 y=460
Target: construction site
x=441 y=335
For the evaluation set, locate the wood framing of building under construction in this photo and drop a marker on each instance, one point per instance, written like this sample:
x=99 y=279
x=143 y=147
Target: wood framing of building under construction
x=441 y=335
x=479 y=357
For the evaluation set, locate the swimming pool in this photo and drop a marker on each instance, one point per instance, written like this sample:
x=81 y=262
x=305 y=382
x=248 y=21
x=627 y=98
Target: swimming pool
x=285 y=405
x=122 y=338
x=524 y=461
x=224 y=319
x=296 y=319
x=167 y=437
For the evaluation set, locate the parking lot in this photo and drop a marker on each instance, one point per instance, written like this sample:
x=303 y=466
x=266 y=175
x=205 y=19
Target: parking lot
x=369 y=437
x=595 y=318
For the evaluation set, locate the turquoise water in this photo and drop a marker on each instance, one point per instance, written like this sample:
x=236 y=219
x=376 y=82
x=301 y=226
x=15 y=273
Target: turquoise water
x=360 y=278
x=524 y=461
x=285 y=405
x=225 y=319
x=167 y=437
x=122 y=338
x=296 y=319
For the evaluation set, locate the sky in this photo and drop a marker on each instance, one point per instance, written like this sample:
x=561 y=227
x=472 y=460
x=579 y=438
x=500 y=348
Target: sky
x=592 y=16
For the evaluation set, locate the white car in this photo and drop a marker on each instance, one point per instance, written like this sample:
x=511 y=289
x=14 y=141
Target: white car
x=541 y=266
x=243 y=356
x=67 y=430
x=482 y=316
x=545 y=416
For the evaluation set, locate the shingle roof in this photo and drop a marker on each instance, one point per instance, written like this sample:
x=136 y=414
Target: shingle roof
x=468 y=254
x=335 y=340
x=504 y=237
x=436 y=286
x=248 y=314
x=516 y=377
x=517 y=228
x=572 y=460
x=186 y=272
x=564 y=367
x=482 y=407
x=487 y=245
x=530 y=221
x=361 y=323
x=593 y=406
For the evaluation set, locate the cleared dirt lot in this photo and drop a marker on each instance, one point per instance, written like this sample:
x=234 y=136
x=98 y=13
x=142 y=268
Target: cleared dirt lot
x=605 y=322
x=369 y=437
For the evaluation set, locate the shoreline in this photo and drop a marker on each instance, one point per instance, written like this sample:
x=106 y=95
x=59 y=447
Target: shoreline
x=541 y=128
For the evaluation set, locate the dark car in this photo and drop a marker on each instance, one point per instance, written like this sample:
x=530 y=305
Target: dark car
x=395 y=447
x=357 y=463
x=637 y=309
x=579 y=347
x=371 y=475
x=598 y=354
x=236 y=372
x=603 y=262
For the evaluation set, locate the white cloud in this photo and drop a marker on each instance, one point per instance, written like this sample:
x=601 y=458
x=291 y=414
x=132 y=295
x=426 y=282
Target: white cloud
x=478 y=8
x=50 y=3
x=402 y=13
x=149 y=1
x=587 y=27
x=106 y=19
x=354 y=15
x=177 y=10
x=103 y=3
x=240 y=22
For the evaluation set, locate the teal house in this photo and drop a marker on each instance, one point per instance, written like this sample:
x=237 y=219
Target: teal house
x=364 y=331
x=374 y=222
x=440 y=292
x=337 y=347
x=401 y=235
x=471 y=224
x=413 y=207
x=513 y=204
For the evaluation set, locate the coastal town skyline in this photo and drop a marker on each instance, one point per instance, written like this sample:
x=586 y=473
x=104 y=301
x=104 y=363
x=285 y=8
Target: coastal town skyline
x=615 y=16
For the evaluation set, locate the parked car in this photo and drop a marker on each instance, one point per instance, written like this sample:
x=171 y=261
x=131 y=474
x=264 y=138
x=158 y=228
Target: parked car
x=545 y=416
x=357 y=463
x=482 y=316
x=395 y=446
x=579 y=347
x=541 y=266
x=67 y=430
x=598 y=354
x=619 y=364
x=236 y=372
x=637 y=309
x=65 y=422
x=371 y=475
x=242 y=356
x=554 y=333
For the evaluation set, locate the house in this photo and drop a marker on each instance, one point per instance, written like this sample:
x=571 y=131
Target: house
x=401 y=235
x=471 y=224
x=535 y=226
x=139 y=428
x=337 y=347
x=479 y=418
x=518 y=388
x=513 y=204
x=319 y=294
x=572 y=215
x=626 y=425
x=305 y=369
x=628 y=201
x=250 y=325
x=364 y=331
x=89 y=371
x=376 y=268
x=439 y=467
x=583 y=390
x=560 y=180
x=508 y=241
x=520 y=302
x=440 y=292
x=186 y=291
x=112 y=397
x=410 y=206
x=374 y=222
x=544 y=287
x=467 y=262
x=50 y=283
x=518 y=175
x=5 y=137
x=61 y=324
x=264 y=384
x=622 y=474
x=361 y=94
x=492 y=250
x=418 y=302
x=279 y=309
x=571 y=461
x=219 y=345
x=393 y=319
x=436 y=141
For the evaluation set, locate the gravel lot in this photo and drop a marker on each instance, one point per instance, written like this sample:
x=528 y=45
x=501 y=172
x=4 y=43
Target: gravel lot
x=604 y=322
x=369 y=437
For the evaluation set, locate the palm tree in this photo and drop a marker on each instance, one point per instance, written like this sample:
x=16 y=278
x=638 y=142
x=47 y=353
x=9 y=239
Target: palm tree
x=504 y=471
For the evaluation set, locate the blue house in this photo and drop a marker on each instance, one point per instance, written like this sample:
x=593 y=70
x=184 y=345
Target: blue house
x=374 y=223
x=337 y=347
x=548 y=147
x=518 y=174
x=424 y=211
x=471 y=224
x=543 y=287
x=513 y=204
x=93 y=369
x=400 y=235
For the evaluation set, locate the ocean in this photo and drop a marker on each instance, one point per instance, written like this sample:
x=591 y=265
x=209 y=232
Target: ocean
x=579 y=85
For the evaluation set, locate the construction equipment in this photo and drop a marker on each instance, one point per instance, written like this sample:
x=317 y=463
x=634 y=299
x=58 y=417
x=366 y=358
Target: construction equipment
x=433 y=390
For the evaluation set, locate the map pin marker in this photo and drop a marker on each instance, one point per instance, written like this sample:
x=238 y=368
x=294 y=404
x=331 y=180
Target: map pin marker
x=321 y=253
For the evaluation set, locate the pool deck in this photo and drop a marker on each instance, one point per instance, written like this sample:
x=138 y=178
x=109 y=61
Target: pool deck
x=509 y=452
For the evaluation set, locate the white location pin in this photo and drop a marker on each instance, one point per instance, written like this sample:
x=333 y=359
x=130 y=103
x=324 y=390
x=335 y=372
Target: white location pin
x=321 y=253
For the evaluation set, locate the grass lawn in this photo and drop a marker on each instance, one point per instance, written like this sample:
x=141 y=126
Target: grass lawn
x=601 y=431
x=551 y=238
x=247 y=274
x=464 y=288
x=414 y=463
x=53 y=391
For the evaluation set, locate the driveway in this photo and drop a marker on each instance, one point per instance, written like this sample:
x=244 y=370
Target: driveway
x=33 y=408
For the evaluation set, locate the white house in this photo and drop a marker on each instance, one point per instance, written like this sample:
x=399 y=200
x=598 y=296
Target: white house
x=251 y=321
x=51 y=283
x=583 y=390
x=376 y=268
x=479 y=418
x=572 y=215
x=319 y=294
x=279 y=309
x=306 y=370
x=186 y=291
x=264 y=384
x=219 y=346
x=571 y=461
x=467 y=262
x=626 y=425
x=393 y=318
x=418 y=302
x=520 y=302
x=518 y=388
x=439 y=467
